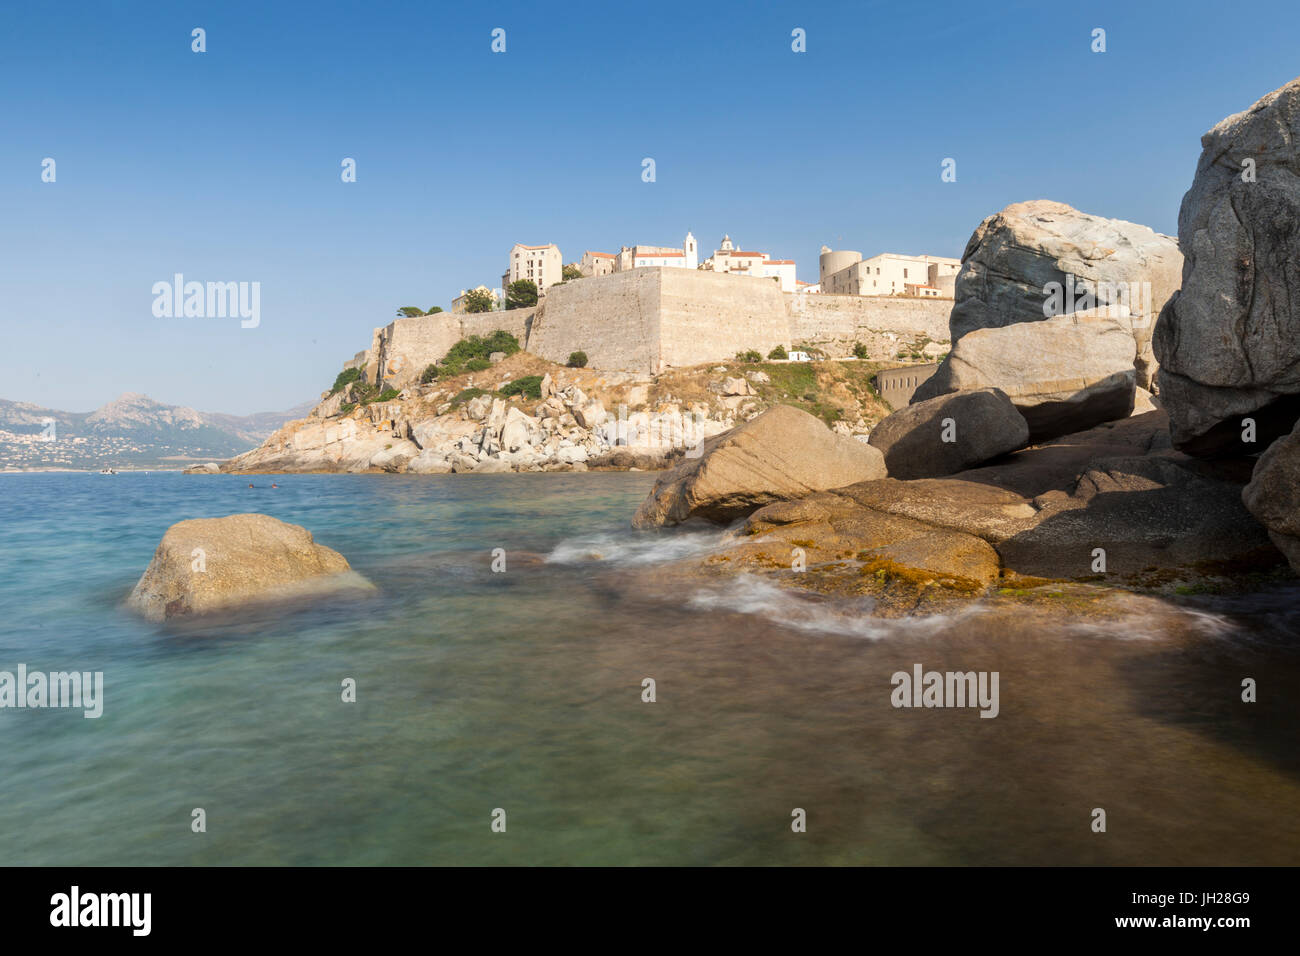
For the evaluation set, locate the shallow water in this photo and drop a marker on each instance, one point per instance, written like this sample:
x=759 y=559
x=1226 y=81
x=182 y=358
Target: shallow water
x=522 y=691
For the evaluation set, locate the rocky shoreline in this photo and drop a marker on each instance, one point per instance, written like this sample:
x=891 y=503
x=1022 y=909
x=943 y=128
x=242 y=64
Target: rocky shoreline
x=529 y=415
x=1027 y=465
x=1071 y=445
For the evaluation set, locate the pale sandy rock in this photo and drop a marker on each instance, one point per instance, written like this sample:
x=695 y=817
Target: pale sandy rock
x=1063 y=375
x=205 y=565
x=396 y=458
x=492 y=466
x=429 y=462
x=517 y=429
x=783 y=453
x=1014 y=256
x=589 y=414
x=736 y=386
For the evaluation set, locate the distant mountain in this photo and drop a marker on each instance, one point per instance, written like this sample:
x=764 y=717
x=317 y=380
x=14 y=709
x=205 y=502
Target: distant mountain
x=132 y=431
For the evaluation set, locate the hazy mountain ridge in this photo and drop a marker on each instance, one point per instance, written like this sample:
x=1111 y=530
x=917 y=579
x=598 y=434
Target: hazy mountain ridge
x=132 y=430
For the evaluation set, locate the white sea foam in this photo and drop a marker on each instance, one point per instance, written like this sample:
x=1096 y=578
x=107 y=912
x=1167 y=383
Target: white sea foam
x=637 y=549
x=852 y=617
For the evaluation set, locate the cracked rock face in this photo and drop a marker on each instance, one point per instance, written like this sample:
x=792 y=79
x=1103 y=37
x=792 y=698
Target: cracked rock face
x=1014 y=255
x=1229 y=341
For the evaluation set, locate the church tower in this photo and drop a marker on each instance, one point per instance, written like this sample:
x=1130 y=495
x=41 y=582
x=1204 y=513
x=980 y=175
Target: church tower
x=692 y=251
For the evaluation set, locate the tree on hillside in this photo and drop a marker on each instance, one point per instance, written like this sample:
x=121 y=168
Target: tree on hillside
x=570 y=272
x=410 y=311
x=479 y=300
x=522 y=294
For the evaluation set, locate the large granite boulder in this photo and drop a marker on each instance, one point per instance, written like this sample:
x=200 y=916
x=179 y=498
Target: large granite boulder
x=1273 y=495
x=1229 y=341
x=950 y=433
x=205 y=565
x=781 y=454
x=1115 y=503
x=1015 y=256
x=1063 y=375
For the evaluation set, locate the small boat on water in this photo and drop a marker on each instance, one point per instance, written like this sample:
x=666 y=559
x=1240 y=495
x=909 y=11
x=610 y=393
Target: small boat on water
x=107 y=471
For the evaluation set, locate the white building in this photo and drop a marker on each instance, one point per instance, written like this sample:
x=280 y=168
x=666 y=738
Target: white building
x=846 y=273
x=687 y=256
x=728 y=258
x=542 y=264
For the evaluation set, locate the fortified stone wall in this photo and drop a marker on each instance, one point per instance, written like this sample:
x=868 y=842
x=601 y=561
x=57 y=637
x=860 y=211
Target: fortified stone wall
x=401 y=350
x=835 y=322
x=645 y=320
x=613 y=318
x=710 y=316
x=515 y=321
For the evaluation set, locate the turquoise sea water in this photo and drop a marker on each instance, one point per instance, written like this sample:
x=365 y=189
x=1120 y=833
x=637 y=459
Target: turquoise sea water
x=522 y=691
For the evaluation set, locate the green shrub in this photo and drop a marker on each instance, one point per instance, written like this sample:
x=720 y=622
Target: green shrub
x=429 y=374
x=778 y=353
x=530 y=386
x=469 y=393
x=577 y=360
x=347 y=408
x=501 y=341
x=479 y=300
x=344 y=379
x=860 y=351
x=387 y=395
x=475 y=348
x=750 y=355
x=363 y=392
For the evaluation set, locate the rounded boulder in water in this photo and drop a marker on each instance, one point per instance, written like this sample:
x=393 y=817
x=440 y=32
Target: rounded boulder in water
x=206 y=565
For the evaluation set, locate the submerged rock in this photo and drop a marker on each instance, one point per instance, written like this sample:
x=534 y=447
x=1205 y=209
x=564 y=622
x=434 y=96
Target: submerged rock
x=205 y=565
x=783 y=453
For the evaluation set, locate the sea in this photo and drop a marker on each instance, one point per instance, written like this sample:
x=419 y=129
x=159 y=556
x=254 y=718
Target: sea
x=536 y=683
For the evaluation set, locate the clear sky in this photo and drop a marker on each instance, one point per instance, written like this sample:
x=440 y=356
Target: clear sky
x=225 y=165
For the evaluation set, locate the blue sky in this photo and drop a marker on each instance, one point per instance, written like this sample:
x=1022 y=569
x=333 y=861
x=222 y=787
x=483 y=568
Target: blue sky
x=225 y=165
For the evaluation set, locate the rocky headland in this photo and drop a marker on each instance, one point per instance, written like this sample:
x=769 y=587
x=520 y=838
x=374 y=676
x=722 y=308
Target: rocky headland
x=526 y=414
